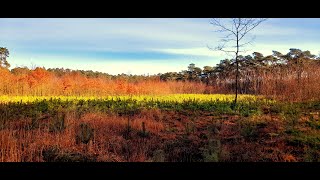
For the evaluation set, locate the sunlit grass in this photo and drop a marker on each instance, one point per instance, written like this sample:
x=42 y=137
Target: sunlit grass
x=179 y=98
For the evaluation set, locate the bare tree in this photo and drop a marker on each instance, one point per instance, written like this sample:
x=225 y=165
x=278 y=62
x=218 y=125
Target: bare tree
x=235 y=30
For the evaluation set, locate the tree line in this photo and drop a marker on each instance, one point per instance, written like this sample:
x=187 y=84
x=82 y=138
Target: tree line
x=294 y=75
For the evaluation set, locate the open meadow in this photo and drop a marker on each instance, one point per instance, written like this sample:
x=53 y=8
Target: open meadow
x=159 y=90
x=171 y=128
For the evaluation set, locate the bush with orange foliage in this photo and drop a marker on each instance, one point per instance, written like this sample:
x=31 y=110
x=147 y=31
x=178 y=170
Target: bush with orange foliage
x=41 y=82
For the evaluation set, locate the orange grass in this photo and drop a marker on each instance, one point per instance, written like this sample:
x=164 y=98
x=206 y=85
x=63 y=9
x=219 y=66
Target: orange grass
x=43 y=83
x=18 y=143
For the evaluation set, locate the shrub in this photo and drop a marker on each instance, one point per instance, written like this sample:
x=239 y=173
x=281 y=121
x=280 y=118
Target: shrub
x=85 y=134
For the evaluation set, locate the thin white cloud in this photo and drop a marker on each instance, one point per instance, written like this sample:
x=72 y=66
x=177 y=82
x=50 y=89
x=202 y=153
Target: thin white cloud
x=266 y=49
x=271 y=29
x=197 y=51
x=152 y=66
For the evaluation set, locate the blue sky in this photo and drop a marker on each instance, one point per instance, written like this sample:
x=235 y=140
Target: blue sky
x=140 y=46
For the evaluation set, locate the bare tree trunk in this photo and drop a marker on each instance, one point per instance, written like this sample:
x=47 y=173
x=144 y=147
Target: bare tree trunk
x=237 y=80
x=237 y=73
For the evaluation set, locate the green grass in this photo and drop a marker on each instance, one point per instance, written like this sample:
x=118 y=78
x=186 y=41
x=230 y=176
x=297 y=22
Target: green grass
x=179 y=98
x=28 y=106
x=253 y=119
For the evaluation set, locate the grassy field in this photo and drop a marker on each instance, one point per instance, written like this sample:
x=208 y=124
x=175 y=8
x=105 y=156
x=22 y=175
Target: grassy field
x=178 y=127
x=140 y=98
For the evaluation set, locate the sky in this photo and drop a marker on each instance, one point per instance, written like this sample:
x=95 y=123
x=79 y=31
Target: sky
x=141 y=45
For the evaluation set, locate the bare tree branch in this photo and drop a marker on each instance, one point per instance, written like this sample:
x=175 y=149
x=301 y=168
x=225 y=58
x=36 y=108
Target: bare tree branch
x=248 y=42
x=250 y=25
x=223 y=28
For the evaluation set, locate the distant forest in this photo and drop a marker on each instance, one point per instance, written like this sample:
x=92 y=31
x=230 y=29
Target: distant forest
x=293 y=76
